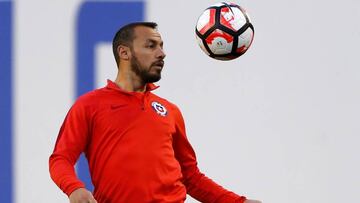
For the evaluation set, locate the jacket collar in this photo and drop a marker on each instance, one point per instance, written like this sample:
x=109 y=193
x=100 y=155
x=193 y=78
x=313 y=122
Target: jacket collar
x=114 y=86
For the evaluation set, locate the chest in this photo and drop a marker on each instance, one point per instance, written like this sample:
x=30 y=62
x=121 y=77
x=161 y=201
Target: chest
x=146 y=118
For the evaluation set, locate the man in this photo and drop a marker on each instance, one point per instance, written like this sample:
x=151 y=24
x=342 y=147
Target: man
x=134 y=141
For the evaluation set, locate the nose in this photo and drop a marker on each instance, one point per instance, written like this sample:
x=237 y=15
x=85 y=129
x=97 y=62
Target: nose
x=161 y=53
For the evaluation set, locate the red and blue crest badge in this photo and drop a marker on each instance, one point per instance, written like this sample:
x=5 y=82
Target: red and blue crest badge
x=159 y=108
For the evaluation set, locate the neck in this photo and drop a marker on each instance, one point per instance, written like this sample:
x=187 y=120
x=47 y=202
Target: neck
x=129 y=81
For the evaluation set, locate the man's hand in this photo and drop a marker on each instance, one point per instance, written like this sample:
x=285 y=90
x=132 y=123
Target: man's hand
x=81 y=195
x=252 y=201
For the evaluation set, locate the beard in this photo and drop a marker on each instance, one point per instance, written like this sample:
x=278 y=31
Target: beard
x=143 y=72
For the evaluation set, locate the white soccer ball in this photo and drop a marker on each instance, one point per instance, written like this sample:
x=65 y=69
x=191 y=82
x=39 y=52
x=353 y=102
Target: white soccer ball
x=224 y=31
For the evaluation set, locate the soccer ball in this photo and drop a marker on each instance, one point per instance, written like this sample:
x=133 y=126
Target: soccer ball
x=224 y=31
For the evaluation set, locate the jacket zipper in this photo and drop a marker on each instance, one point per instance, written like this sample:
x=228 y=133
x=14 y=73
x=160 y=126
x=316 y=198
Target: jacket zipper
x=143 y=101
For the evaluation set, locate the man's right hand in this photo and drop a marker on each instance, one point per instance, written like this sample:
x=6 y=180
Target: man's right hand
x=81 y=195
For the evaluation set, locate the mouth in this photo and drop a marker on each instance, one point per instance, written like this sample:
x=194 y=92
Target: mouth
x=159 y=64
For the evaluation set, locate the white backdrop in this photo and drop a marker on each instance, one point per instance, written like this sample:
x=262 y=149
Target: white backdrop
x=279 y=124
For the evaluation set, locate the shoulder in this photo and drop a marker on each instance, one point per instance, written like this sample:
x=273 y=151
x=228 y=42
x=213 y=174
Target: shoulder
x=90 y=98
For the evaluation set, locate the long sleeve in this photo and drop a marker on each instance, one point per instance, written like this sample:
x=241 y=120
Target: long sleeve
x=71 y=142
x=197 y=184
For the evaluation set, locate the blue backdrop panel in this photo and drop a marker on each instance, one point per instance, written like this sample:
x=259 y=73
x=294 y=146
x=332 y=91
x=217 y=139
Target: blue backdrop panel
x=6 y=175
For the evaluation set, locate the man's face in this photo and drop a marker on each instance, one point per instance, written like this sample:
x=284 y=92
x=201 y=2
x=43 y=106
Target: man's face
x=147 y=54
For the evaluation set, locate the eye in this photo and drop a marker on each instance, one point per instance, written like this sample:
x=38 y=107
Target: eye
x=150 y=45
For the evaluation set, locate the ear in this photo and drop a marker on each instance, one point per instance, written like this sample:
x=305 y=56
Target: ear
x=124 y=52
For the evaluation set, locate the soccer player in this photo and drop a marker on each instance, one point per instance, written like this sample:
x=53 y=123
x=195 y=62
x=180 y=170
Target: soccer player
x=134 y=140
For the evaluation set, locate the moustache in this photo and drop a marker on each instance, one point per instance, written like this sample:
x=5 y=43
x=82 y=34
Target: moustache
x=159 y=63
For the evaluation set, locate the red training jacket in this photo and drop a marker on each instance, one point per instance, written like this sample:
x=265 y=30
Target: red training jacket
x=136 y=147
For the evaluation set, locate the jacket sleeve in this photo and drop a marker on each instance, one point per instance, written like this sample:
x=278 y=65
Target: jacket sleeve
x=197 y=184
x=71 y=142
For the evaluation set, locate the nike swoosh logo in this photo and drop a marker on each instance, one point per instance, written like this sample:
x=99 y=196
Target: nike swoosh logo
x=116 y=106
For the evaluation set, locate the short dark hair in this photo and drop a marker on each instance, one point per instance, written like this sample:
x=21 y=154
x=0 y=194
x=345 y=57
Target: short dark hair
x=125 y=36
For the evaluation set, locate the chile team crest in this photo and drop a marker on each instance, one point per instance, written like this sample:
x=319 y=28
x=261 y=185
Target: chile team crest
x=159 y=108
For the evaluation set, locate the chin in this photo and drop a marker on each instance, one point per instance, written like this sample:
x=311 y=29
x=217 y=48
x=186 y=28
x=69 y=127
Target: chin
x=153 y=78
